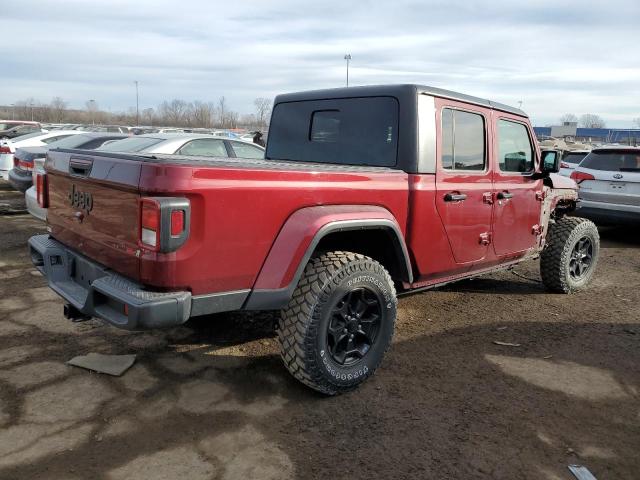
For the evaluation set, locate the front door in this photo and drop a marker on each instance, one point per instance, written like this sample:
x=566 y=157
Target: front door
x=463 y=179
x=517 y=192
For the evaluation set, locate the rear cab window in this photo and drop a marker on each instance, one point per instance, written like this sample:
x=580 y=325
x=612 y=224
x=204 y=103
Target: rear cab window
x=348 y=131
x=613 y=160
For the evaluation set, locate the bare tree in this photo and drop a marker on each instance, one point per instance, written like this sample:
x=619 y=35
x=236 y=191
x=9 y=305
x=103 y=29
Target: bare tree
x=591 y=120
x=263 y=110
x=568 y=118
x=175 y=112
x=148 y=116
x=636 y=122
x=222 y=111
x=58 y=108
x=232 y=119
x=203 y=114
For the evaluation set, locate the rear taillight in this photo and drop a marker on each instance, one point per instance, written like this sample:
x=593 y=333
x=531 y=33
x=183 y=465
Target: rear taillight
x=42 y=190
x=150 y=224
x=580 y=177
x=164 y=223
x=28 y=166
x=5 y=149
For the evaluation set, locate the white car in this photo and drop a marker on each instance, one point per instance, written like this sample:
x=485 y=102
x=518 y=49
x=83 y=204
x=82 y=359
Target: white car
x=37 y=139
x=609 y=185
x=185 y=144
x=570 y=160
x=31 y=195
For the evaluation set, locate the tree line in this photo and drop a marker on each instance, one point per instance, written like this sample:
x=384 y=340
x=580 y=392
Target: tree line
x=174 y=113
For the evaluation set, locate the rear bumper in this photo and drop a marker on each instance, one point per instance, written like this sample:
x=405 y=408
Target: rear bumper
x=98 y=292
x=33 y=207
x=608 y=214
x=20 y=179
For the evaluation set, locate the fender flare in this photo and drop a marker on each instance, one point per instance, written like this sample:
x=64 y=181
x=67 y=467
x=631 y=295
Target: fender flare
x=298 y=239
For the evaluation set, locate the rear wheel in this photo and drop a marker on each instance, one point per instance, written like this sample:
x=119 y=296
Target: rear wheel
x=568 y=262
x=339 y=322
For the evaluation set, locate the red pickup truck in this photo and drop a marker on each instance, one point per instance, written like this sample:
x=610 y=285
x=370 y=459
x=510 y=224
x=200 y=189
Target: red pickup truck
x=364 y=191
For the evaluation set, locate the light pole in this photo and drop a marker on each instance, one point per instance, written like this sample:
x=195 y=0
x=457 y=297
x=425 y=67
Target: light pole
x=13 y=111
x=347 y=57
x=31 y=111
x=137 y=105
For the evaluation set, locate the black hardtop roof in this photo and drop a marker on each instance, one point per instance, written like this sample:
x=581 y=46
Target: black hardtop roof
x=400 y=91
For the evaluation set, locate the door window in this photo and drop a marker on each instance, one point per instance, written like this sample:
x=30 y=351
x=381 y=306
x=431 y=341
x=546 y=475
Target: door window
x=205 y=147
x=463 y=140
x=245 y=150
x=515 y=153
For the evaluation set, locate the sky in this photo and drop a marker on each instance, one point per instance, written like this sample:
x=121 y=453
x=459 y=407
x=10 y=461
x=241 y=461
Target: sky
x=554 y=56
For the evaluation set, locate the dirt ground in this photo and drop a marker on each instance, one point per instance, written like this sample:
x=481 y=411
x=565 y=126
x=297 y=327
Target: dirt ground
x=211 y=400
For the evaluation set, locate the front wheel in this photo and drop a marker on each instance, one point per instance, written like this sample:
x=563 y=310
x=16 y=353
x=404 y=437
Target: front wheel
x=569 y=260
x=339 y=322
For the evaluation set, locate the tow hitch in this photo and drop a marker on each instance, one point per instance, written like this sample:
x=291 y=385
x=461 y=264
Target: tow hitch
x=73 y=314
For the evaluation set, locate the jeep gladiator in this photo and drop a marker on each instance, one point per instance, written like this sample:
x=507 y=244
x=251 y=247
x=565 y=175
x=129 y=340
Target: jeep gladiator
x=363 y=192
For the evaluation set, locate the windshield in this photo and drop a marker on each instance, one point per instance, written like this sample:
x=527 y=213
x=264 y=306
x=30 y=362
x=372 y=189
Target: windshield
x=131 y=144
x=613 y=161
x=27 y=136
x=72 y=141
x=574 y=157
x=7 y=126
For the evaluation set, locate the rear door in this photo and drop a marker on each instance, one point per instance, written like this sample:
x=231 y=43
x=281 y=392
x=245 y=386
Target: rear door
x=463 y=179
x=517 y=193
x=616 y=177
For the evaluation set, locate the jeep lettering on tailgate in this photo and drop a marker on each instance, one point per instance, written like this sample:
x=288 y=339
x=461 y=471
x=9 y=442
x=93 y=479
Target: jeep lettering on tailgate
x=81 y=200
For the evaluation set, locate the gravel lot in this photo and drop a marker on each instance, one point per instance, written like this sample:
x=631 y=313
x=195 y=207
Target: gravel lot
x=210 y=400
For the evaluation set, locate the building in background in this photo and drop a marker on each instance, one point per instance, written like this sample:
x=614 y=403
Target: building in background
x=624 y=136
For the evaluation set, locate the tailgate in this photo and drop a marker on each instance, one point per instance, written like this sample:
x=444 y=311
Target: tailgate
x=93 y=207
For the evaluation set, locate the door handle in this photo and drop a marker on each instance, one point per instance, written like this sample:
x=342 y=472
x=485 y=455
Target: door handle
x=504 y=195
x=455 y=197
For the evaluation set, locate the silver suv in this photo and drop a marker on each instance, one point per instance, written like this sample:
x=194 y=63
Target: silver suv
x=609 y=185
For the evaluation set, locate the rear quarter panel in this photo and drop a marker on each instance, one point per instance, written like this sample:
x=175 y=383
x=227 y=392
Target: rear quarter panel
x=237 y=213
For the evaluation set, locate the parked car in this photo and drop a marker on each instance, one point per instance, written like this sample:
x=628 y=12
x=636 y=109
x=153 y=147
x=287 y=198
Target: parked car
x=36 y=139
x=571 y=159
x=609 y=185
x=364 y=190
x=20 y=175
x=186 y=144
x=31 y=195
x=16 y=128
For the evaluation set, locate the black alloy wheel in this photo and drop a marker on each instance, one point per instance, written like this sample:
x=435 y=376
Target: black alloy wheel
x=354 y=325
x=581 y=258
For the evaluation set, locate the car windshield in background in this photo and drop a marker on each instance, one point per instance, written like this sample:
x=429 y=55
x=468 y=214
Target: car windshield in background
x=71 y=141
x=574 y=158
x=131 y=144
x=350 y=131
x=27 y=136
x=7 y=126
x=613 y=160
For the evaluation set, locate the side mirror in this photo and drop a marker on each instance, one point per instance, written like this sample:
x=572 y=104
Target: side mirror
x=550 y=161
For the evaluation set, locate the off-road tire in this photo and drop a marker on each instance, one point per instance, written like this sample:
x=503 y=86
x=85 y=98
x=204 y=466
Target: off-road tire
x=303 y=325
x=562 y=237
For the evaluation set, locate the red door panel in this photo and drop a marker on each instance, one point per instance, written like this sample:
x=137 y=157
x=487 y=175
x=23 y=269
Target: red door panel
x=463 y=195
x=517 y=208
